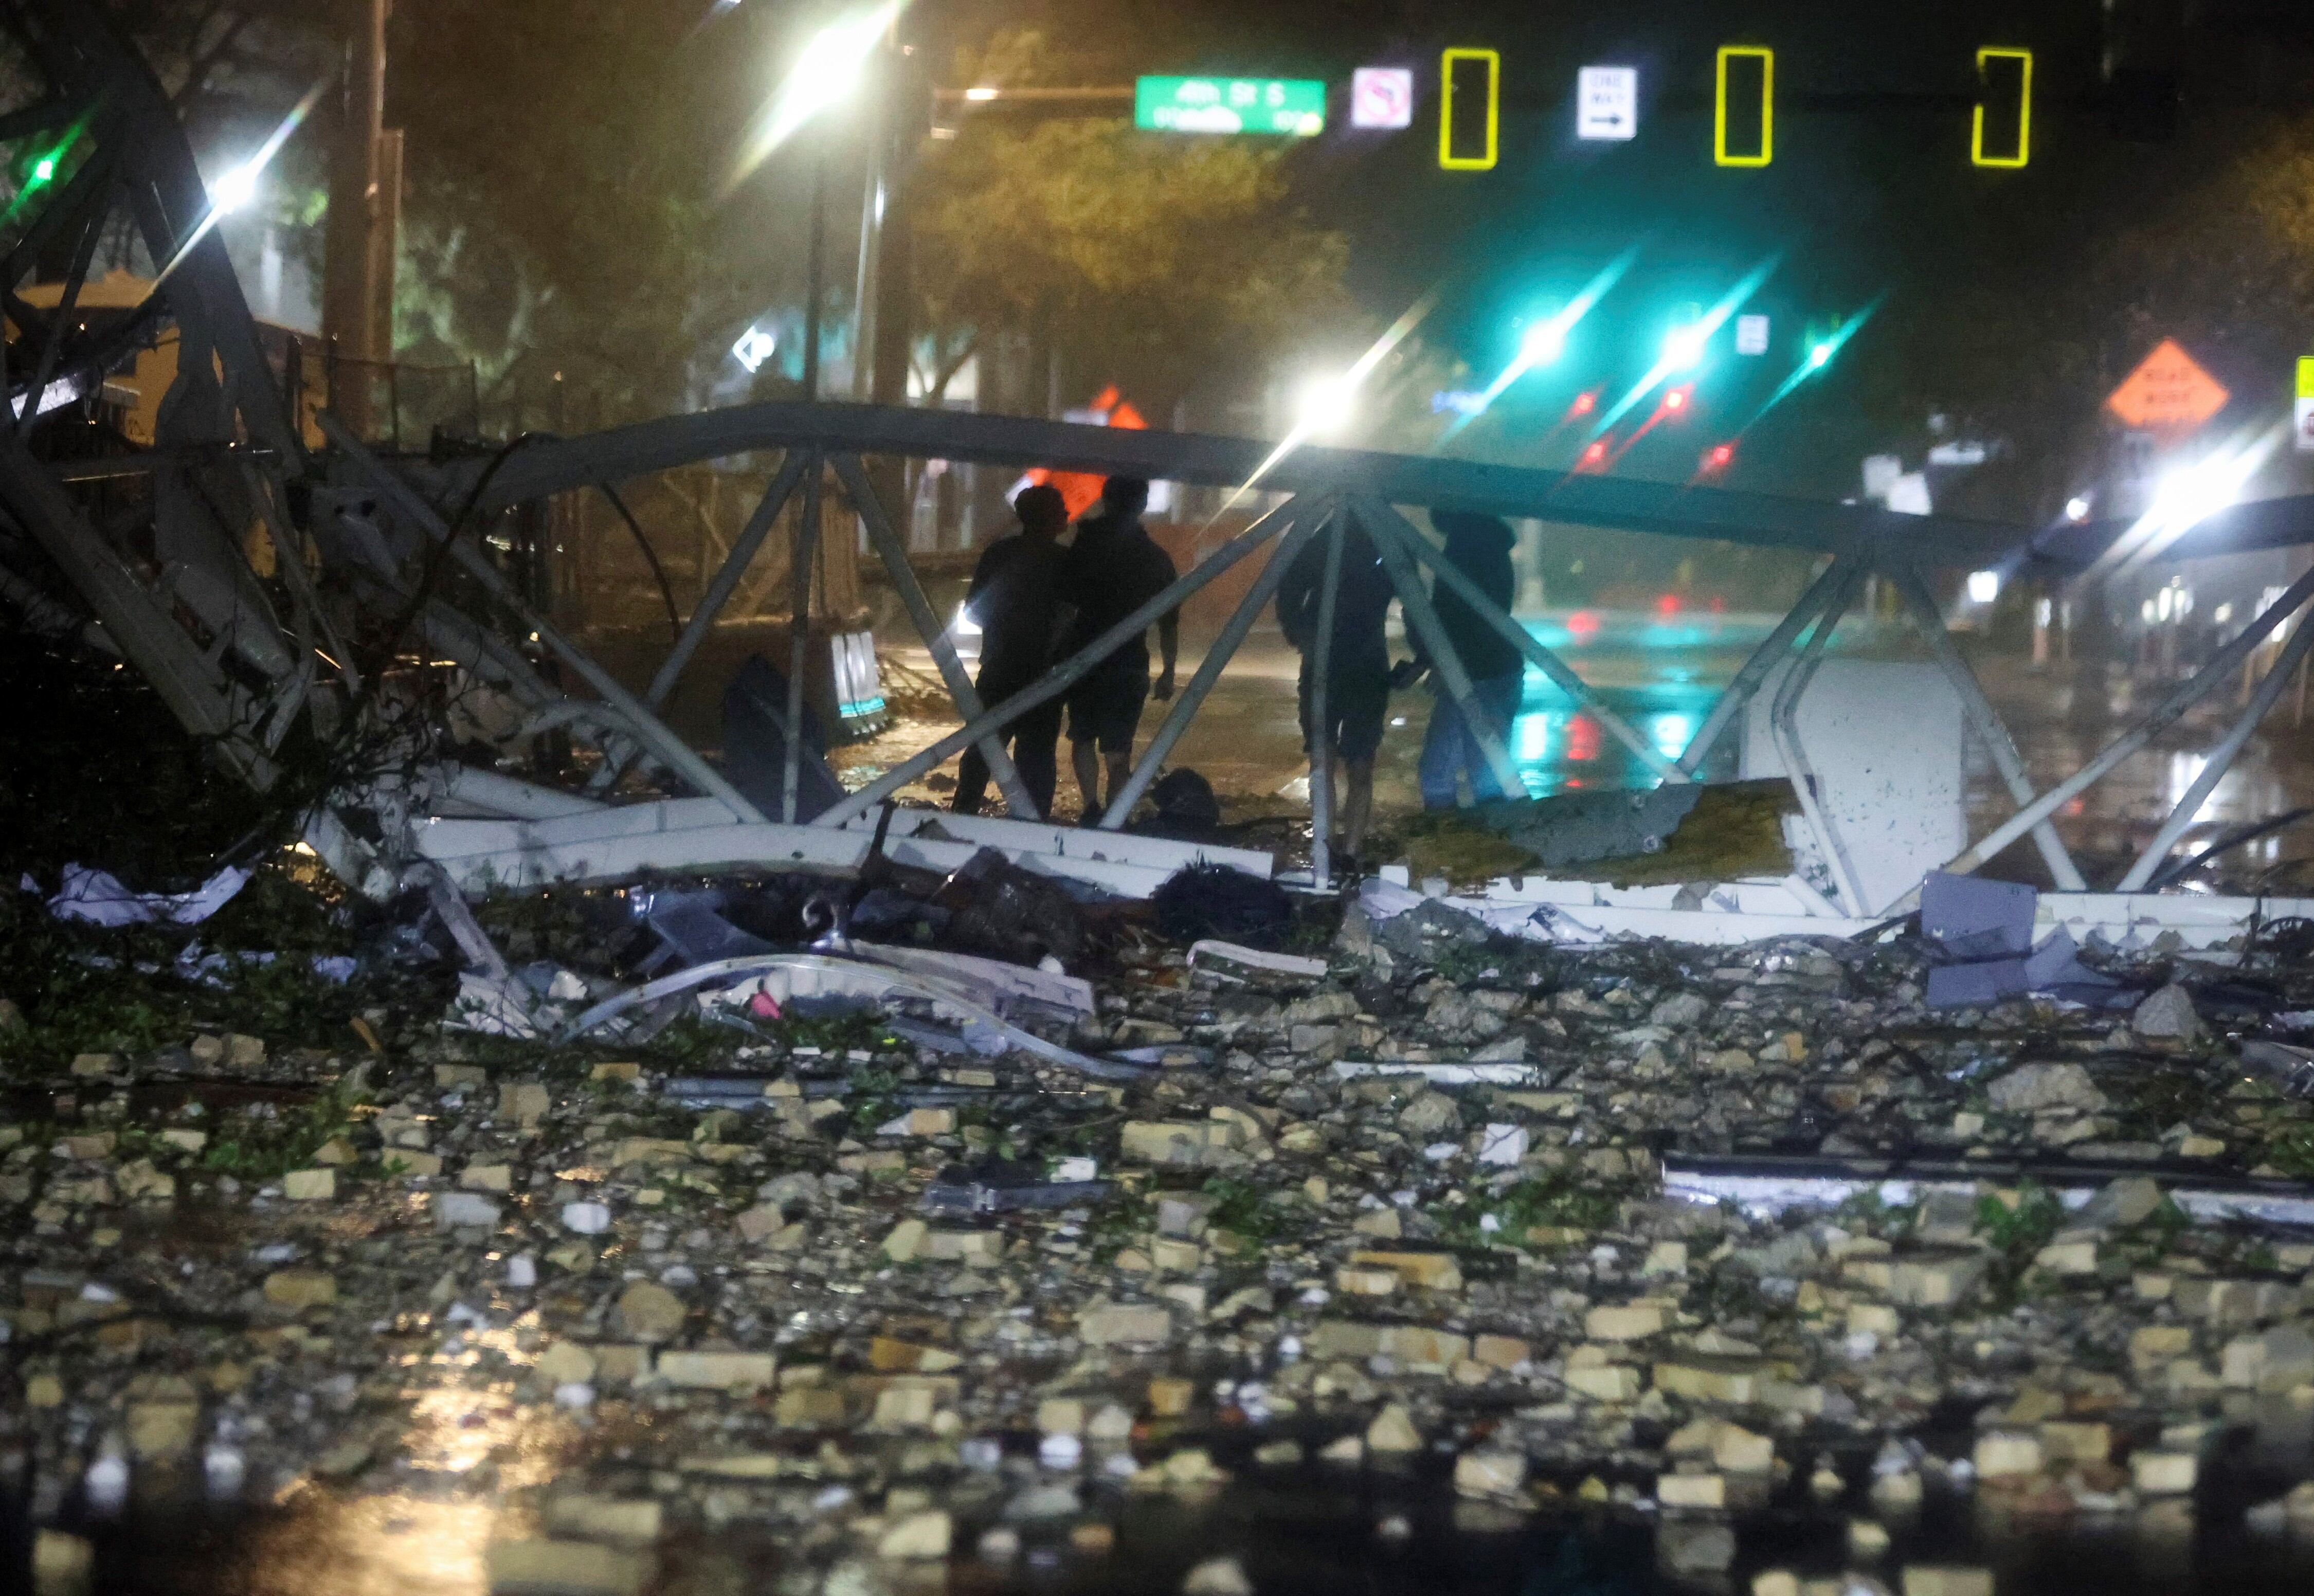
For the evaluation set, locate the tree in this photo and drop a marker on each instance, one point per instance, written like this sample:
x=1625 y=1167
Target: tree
x=561 y=216
x=1145 y=261
x=1165 y=264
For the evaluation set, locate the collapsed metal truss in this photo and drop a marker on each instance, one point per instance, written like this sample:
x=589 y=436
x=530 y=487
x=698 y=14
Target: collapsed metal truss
x=254 y=653
x=164 y=570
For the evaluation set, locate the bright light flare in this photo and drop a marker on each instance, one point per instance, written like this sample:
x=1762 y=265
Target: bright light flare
x=1546 y=341
x=1347 y=386
x=1692 y=337
x=1983 y=587
x=234 y=191
x=43 y=173
x=980 y=92
x=755 y=346
x=2186 y=497
x=1328 y=404
x=825 y=75
x=1821 y=354
x=238 y=186
x=2077 y=508
x=2197 y=492
x=1682 y=347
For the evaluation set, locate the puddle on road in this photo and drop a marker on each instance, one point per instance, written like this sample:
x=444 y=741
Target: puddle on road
x=1308 y=1533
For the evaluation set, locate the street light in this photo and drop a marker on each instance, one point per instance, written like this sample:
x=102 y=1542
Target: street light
x=1544 y=342
x=2195 y=493
x=1326 y=406
x=234 y=190
x=826 y=72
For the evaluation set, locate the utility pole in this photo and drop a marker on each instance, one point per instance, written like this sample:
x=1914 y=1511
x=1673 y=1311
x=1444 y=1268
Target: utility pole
x=364 y=222
x=902 y=122
x=814 y=267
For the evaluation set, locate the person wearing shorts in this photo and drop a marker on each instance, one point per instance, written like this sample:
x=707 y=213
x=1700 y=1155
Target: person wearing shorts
x=1357 y=667
x=1113 y=569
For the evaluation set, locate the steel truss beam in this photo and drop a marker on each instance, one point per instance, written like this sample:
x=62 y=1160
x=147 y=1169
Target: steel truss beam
x=1290 y=543
x=1062 y=677
x=1391 y=524
x=895 y=556
x=726 y=581
x=2222 y=759
x=1981 y=715
x=1671 y=508
x=2212 y=677
x=663 y=743
x=1448 y=664
x=1755 y=670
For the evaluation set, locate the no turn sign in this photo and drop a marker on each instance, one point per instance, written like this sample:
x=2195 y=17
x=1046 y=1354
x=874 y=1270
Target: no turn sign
x=1382 y=97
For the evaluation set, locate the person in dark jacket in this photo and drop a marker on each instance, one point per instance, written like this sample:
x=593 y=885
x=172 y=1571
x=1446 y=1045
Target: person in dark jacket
x=1015 y=599
x=1358 y=666
x=1113 y=567
x=1480 y=547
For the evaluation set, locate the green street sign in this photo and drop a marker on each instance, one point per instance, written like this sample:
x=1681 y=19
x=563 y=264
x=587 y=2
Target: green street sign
x=1289 y=105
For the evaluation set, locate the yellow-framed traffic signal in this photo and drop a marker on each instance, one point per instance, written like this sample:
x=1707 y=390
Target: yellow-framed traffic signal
x=1721 y=154
x=1454 y=157
x=1977 y=156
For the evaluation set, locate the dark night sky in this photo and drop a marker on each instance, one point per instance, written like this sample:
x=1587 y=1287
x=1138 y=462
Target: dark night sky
x=1870 y=194
x=1870 y=198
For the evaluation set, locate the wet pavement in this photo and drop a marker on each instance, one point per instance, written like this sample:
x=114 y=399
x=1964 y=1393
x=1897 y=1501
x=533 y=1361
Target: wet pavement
x=430 y=1350
x=1662 y=673
x=1321 y=1333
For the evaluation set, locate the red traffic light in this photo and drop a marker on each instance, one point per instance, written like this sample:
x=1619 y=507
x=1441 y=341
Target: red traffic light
x=1715 y=458
x=1595 y=452
x=1583 y=404
x=1675 y=400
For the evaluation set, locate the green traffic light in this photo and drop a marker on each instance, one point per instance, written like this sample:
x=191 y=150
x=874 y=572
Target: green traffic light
x=44 y=169
x=1820 y=355
x=1682 y=347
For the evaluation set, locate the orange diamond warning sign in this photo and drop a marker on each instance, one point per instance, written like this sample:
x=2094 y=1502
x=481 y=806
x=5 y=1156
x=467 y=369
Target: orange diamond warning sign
x=2167 y=393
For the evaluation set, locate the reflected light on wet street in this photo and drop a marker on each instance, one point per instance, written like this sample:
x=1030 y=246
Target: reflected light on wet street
x=396 y=1545
x=432 y=1539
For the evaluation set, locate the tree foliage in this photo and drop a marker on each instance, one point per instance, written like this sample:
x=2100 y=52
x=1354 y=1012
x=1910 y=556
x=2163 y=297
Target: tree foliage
x=1167 y=264
x=560 y=214
x=1144 y=258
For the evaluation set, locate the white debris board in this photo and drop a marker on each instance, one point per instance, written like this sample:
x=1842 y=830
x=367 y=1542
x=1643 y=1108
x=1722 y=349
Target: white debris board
x=1884 y=739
